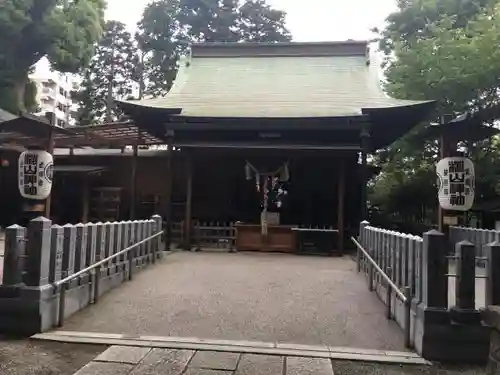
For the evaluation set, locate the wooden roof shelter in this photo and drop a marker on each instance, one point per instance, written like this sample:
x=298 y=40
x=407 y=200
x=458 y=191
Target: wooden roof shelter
x=30 y=130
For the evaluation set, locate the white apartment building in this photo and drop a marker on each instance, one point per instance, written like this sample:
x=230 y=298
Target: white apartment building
x=54 y=95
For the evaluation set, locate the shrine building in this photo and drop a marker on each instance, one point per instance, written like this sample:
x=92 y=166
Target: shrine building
x=296 y=120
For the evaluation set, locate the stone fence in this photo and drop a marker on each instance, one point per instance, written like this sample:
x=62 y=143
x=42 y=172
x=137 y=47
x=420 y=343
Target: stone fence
x=40 y=255
x=479 y=237
x=439 y=330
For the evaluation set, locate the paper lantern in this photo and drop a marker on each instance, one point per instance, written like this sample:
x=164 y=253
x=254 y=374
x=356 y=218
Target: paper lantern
x=456 y=181
x=35 y=174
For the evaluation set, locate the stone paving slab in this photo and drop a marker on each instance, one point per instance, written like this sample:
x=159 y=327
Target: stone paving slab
x=308 y=366
x=215 y=360
x=123 y=354
x=252 y=364
x=164 y=362
x=247 y=296
x=100 y=368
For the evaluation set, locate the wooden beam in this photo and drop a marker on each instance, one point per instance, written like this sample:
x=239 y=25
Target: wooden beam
x=85 y=199
x=133 y=183
x=365 y=147
x=341 y=205
x=168 y=190
x=189 y=200
x=50 y=150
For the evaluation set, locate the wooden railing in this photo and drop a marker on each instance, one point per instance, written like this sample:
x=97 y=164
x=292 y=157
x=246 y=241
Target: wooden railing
x=208 y=235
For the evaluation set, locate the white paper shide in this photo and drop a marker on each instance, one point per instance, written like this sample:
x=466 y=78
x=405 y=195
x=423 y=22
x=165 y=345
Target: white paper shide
x=456 y=181
x=36 y=168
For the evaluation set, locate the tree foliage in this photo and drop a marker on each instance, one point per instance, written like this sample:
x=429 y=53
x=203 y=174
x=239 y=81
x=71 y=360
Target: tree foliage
x=168 y=26
x=110 y=75
x=443 y=50
x=63 y=30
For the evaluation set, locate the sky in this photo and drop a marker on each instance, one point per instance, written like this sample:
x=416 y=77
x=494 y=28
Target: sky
x=308 y=20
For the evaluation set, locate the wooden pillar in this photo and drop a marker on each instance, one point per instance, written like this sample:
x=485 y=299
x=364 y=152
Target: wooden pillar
x=365 y=148
x=446 y=149
x=341 y=205
x=50 y=150
x=85 y=199
x=189 y=198
x=168 y=189
x=133 y=183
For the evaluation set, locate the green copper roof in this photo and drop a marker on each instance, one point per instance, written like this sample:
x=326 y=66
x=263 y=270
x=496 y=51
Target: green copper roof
x=280 y=80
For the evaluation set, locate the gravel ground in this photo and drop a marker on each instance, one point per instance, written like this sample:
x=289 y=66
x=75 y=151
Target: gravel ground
x=247 y=296
x=25 y=357
x=359 y=368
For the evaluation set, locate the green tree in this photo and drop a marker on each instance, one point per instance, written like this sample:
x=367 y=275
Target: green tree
x=63 y=30
x=110 y=75
x=168 y=26
x=453 y=59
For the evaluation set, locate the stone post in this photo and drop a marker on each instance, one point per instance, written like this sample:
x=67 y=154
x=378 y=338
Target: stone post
x=15 y=251
x=101 y=246
x=81 y=247
x=126 y=243
x=69 y=245
x=418 y=264
x=149 y=245
x=464 y=310
x=118 y=245
x=56 y=253
x=38 y=252
x=91 y=244
x=157 y=244
x=435 y=269
x=432 y=315
x=493 y=274
x=109 y=229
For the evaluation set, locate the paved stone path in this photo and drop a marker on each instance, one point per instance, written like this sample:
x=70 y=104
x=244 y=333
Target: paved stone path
x=150 y=361
x=247 y=296
x=120 y=360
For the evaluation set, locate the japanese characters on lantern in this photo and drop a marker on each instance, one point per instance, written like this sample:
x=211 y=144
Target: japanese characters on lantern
x=456 y=181
x=35 y=174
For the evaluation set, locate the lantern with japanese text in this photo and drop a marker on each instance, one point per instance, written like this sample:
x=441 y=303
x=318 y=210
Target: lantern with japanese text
x=35 y=174
x=456 y=182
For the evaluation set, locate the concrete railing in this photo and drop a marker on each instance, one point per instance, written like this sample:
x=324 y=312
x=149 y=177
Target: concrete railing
x=39 y=257
x=439 y=330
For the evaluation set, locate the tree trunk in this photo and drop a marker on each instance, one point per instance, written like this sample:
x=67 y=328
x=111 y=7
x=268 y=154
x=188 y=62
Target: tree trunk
x=19 y=88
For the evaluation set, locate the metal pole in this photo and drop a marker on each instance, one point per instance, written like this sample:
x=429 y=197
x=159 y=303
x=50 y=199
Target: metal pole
x=389 y=295
x=62 y=305
x=97 y=280
x=358 y=259
x=407 y=322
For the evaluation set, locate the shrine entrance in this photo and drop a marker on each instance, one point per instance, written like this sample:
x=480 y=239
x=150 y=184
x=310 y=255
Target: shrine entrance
x=276 y=199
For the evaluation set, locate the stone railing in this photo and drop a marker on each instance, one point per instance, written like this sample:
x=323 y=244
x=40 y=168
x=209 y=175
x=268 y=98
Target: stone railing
x=480 y=238
x=444 y=323
x=39 y=256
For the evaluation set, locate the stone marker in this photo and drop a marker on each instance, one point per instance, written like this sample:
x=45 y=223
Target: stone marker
x=56 y=253
x=15 y=250
x=38 y=252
